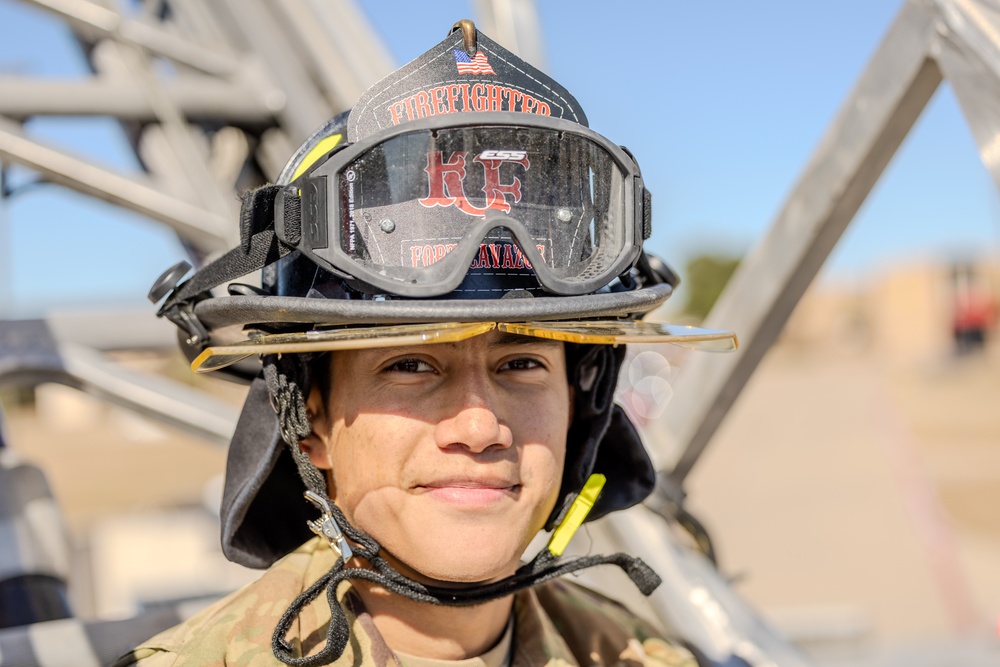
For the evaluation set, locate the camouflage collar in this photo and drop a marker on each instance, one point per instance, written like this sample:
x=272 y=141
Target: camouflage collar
x=536 y=639
x=549 y=621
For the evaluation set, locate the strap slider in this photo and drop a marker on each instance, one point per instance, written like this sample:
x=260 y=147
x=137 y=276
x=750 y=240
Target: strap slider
x=326 y=526
x=182 y=314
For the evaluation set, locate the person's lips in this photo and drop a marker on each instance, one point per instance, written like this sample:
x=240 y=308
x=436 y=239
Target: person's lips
x=471 y=491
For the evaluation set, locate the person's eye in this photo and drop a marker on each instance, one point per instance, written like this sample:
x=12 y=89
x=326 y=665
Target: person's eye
x=409 y=366
x=521 y=364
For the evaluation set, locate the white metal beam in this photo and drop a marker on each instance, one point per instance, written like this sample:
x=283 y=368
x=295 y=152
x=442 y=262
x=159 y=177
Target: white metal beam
x=515 y=25
x=92 y=17
x=876 y=117
x=31 y=353
x=203 y=229
x=304 y=108
x=969 y=55
x=198 y=98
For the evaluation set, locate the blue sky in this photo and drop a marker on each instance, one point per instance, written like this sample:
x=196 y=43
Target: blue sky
x=722 y=103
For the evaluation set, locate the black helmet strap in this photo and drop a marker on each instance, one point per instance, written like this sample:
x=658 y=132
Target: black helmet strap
x=287 y=382
x=260 y=245
x=541 y=568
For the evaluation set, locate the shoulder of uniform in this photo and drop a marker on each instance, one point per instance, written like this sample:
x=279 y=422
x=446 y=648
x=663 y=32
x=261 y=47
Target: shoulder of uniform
x=566 y=598
x=242 y=621
x=587 y=619
x=146 y=657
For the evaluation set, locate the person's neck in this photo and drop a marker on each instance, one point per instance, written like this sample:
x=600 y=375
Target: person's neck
x=432 y=631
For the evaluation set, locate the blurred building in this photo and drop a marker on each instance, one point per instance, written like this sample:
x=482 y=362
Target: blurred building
x=910 y=315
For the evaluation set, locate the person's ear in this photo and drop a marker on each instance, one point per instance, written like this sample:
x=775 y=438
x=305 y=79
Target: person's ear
x=316 y=444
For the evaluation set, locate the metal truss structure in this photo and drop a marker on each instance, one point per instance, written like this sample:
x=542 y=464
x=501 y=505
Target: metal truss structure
x=216 y=94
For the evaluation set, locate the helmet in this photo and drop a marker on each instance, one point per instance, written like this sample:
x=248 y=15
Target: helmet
x=465 y=192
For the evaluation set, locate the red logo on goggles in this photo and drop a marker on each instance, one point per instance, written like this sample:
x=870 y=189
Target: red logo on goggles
x=505 y=255
x=445 y=181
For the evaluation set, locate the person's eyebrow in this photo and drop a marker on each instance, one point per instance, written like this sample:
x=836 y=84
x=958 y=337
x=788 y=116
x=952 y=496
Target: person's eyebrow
x=507 y=339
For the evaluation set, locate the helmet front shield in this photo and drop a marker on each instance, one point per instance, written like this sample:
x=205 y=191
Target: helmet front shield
x=356 y=338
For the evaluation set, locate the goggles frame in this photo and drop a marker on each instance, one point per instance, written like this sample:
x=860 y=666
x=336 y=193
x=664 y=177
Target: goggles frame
x=323 y=218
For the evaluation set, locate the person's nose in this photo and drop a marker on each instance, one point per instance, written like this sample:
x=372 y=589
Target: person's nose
x=475 y=422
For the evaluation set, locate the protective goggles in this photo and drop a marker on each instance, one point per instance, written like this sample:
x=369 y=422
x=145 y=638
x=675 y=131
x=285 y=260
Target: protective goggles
x=411 y=209
x=586 y=332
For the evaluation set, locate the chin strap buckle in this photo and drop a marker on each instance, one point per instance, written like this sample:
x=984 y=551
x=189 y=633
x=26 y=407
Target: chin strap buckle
x=326 y=526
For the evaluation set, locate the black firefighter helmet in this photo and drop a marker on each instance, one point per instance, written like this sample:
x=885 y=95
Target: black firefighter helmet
x=463 y=193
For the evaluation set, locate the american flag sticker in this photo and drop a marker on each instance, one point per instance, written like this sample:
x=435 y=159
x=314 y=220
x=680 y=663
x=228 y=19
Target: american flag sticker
x=476 y=65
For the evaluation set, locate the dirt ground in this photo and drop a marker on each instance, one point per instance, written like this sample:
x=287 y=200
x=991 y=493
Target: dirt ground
x=859 y=502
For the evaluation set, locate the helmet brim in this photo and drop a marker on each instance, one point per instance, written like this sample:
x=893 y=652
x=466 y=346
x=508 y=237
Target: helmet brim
x=227 y=311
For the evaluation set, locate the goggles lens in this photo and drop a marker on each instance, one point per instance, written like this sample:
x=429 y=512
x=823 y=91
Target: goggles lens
x=421 y=208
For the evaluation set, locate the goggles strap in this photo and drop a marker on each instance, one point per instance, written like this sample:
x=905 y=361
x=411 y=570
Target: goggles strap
x=259 y=246
x=543 y=567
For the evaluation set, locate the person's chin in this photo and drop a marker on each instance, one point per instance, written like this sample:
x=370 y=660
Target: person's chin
x=455 y=556
x=434 y=542
x=450 y=572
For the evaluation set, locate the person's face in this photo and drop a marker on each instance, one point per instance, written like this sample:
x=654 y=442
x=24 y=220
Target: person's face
x=450 y=455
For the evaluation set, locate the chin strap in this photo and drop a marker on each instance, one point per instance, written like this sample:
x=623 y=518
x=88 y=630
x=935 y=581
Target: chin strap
x=541 y=568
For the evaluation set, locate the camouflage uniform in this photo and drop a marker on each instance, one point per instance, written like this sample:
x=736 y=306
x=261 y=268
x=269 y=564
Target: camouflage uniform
x=557 y=624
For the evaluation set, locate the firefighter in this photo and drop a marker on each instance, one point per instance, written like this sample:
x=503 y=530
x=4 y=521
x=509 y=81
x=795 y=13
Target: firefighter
x=449 y=273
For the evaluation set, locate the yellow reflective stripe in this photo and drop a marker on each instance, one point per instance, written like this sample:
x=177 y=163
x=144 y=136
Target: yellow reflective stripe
x=577 y=514
x=325 y=145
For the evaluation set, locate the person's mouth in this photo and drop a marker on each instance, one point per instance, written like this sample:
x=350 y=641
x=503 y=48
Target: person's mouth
x=472 y=491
